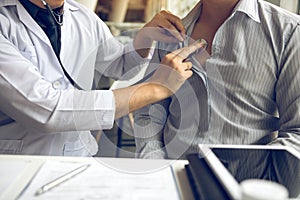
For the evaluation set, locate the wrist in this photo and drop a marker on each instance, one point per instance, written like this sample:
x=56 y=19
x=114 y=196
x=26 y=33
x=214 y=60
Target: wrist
x=142 y=43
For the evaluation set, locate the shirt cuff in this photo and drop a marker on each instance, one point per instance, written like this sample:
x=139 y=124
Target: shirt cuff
x=130 y=48
x=105 y=108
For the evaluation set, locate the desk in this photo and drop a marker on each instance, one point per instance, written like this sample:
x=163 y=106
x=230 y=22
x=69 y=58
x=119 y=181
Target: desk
x=34 y=163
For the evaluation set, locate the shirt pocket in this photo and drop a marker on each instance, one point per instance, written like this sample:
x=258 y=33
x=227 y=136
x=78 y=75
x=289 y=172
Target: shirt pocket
x=75 y=149
x=11 y=146
x=30 y=54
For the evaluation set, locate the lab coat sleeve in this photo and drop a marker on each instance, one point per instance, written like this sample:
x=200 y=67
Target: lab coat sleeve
x=30 y=100
x=115 y=59
x=288 y=93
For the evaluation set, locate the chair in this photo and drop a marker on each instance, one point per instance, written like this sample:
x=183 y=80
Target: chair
x=122 y=141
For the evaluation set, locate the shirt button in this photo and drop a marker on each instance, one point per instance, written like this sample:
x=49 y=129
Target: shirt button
x=56 y=85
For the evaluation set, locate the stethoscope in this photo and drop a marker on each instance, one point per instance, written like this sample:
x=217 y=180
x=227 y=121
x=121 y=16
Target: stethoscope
x=59 y=21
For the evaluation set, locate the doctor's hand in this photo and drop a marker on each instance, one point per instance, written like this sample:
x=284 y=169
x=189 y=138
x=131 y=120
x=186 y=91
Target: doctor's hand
x=175 y=68
x=164 y=27
x=166 y=80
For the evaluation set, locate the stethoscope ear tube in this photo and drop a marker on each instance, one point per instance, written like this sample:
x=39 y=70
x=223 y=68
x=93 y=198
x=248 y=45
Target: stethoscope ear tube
x=60 y=20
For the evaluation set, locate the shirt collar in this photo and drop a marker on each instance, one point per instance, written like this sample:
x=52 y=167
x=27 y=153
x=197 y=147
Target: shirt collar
x=193 y=15
x=31 y=8
x=249 y=7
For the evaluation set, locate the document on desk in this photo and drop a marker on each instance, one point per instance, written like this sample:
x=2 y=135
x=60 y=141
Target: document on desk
x=12 y=171
x=101 y=182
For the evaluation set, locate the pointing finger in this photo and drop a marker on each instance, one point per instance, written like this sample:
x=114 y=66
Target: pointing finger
x=185 y=52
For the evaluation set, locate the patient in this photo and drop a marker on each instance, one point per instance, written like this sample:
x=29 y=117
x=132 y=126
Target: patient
x=246 y=89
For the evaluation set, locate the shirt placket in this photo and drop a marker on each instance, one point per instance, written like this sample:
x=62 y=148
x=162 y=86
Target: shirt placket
x=198 y=69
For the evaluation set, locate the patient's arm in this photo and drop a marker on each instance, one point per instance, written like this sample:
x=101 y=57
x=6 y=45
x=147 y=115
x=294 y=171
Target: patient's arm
x=149 y=128
x=288 y=93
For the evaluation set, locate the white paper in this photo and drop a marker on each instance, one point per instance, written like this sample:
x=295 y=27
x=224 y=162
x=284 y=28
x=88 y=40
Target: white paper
x=11 y=171
x=100 y=182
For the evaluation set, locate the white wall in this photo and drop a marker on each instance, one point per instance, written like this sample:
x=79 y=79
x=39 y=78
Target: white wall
x=291 y=5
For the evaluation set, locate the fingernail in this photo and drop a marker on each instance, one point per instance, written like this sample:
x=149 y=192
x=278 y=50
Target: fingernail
x=202 y=42
x=181 y=38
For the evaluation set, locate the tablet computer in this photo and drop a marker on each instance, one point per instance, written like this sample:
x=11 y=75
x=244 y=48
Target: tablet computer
x=218 y=170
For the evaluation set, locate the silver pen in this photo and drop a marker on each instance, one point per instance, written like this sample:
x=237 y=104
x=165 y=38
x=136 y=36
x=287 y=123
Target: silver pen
x=60 y=180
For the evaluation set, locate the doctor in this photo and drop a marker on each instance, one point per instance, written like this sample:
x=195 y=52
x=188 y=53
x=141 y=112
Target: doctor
x=49 y=53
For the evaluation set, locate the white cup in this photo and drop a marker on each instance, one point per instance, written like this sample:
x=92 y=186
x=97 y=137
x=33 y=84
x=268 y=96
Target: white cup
x=258 y=189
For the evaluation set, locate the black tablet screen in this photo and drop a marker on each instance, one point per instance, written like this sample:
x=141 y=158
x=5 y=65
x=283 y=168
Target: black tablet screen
x=277 y=165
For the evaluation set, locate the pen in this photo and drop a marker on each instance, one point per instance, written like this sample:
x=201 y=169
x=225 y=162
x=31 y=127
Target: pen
x=60 y=180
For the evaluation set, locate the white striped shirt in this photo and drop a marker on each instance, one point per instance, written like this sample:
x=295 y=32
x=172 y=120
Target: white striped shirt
x=251 y=87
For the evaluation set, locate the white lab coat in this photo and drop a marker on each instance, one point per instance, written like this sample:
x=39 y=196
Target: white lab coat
x=40 y=111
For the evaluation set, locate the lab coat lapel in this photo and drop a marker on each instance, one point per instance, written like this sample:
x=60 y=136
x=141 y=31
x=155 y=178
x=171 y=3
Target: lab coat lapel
x=27 y=20
x=65 y=38
x=66 y=41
